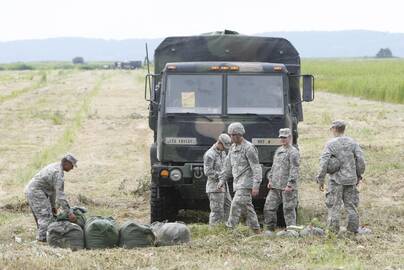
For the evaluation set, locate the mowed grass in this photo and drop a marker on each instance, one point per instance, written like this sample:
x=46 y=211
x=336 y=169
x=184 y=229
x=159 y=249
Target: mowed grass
x=374 y=79
x=108 y=132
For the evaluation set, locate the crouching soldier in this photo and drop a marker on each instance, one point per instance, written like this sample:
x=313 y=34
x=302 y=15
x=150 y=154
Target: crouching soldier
x=46 y=189
x=219 y=199
x=282 y=182
x=243 y=165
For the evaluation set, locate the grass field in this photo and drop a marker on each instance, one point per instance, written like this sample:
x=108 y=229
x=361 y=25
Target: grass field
x=101 y=117
x=368 y=78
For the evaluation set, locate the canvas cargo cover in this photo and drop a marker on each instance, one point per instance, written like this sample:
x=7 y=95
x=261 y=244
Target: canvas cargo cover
x=132 y=235
x=226 y=48
x=64 y=234
x=101 y=232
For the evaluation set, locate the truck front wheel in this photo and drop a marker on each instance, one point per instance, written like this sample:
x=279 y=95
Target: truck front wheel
x=163 y=204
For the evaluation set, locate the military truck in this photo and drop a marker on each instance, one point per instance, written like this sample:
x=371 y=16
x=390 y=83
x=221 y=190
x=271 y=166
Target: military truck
x=200 y=85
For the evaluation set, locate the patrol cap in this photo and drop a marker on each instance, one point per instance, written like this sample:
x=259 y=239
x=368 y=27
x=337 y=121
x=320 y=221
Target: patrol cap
x=225 y=140
x=71 y=159
x=236 y=128
x=284 y=133
x=338 y=124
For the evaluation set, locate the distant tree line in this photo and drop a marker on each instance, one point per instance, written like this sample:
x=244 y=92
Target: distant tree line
x=384 y=53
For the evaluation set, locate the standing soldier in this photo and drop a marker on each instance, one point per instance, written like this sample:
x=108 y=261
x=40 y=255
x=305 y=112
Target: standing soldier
x=46 y=189
x=282 y=182
x=243 y=165
x=343 y=182
x=219 y=199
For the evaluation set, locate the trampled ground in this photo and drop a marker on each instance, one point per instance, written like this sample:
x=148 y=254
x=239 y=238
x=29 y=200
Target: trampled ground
x=101 y=117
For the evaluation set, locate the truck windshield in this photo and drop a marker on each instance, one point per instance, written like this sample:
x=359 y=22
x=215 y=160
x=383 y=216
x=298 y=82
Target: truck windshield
x=200 y=94
x=255 y=94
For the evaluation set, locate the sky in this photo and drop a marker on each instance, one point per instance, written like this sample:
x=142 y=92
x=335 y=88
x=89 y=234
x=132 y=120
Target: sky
x=123 y=19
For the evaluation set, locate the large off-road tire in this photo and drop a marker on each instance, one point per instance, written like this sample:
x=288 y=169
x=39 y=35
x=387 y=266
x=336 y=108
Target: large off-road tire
x=163 y=204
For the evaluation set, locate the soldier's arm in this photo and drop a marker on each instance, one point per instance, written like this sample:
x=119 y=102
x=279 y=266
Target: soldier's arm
x=324 y=158
x=225 y=174
x=294 y=160
x=52 y=199
x=253 y=160
x=60 y=193
x=208 y=166
x=360 y=161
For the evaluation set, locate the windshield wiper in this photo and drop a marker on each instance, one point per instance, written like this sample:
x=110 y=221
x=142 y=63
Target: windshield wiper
x=269 y=118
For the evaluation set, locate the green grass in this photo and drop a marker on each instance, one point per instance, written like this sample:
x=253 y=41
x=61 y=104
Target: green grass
x=373 y=79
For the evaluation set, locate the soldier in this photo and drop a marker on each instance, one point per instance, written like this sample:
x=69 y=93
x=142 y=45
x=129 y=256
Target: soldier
x=282 y=182
x=46 y=189
x=243 y=165
x=219 y=199
x=343 y=182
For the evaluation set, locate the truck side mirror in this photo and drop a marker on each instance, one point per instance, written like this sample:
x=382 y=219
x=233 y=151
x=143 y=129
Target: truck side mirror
x=148 y=87
x=308 y=88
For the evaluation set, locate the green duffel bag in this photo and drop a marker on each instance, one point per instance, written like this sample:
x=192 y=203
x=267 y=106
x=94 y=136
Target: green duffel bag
x=101 y=232
x=80 y=215
x=132 y=235
x=64 y=234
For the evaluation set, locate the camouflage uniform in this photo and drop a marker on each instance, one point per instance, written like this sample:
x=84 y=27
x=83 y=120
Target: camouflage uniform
x=342 y=184
x=243 y=165
x=284 y=171
x=44 y=190
x=219 y=199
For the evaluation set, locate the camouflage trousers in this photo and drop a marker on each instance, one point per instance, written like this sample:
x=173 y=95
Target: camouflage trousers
x=242 y=204
x=336 y=196
x=219 y=203
x=42 y=210
x=274 y=199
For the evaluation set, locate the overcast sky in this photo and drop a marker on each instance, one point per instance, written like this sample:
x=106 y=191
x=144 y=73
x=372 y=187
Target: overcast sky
x=122 y=19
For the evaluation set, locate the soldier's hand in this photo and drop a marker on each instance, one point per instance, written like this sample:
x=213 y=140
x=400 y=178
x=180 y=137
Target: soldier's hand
x=72 y=217
x=321 y=187
x=255 y=192
x=54 y=211
x=219 y=186
x=269 y=186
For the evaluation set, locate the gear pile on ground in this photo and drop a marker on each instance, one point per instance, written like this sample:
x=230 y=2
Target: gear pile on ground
x=171 y=233
x=101 y=232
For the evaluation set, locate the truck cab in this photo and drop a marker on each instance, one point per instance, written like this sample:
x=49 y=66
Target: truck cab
x=201 y=85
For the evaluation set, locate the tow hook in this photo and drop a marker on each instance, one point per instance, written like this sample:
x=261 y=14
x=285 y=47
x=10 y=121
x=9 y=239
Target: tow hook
x=198 y=172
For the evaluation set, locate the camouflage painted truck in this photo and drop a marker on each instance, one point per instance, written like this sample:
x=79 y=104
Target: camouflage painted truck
x=200 y=85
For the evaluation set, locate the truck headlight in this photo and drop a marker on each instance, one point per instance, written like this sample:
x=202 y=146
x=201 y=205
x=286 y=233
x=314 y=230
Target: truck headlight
x=175 y=174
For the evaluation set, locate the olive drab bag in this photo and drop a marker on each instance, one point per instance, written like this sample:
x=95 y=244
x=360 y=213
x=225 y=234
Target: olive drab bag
x=80 y=215
x=64 y=234
x=101 y=232
x=132 y=235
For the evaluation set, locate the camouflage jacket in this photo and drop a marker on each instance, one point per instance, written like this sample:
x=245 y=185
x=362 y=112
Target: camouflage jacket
x=243 y=165
x=213 y=161
x=50 y=180
x=350 y=156
x=285 y=168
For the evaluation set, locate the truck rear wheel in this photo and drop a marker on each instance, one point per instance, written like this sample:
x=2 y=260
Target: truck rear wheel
x=163 y=204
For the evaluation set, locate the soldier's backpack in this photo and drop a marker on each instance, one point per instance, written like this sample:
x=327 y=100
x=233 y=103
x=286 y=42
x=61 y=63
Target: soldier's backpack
x=171 y=233
x=64 y=234
x=132 y=235
x=80 y=215
x=333 y=165
x=101 y=232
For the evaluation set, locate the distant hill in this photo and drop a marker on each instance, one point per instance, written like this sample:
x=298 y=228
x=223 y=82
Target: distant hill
x=355 y=43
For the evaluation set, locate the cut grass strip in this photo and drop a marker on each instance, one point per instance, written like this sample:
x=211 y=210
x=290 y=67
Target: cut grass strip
x=43 y=81
x=62 y=145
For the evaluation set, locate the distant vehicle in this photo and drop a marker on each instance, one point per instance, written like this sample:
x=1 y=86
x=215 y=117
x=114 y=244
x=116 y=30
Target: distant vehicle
x=201 y=85
x=128 y=65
